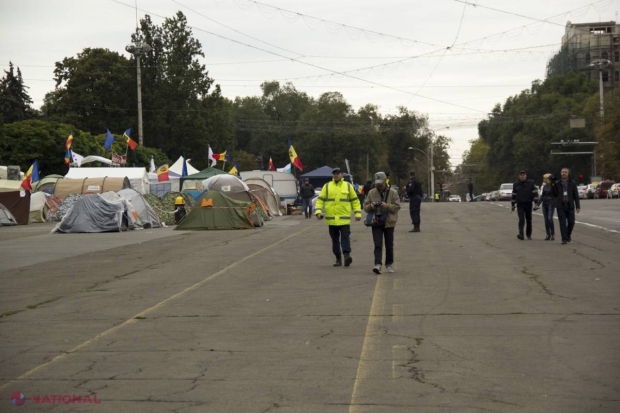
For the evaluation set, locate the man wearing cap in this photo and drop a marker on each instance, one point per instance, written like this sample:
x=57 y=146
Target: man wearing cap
x=338 y=199
x=524 y=193
x=306 y=191
x=414 y=191
x=385 y=204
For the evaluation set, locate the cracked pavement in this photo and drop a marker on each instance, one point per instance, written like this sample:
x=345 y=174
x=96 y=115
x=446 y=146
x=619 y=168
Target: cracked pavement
x=166 y=321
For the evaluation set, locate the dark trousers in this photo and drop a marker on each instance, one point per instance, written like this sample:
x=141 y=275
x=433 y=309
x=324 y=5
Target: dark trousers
x=414 y=210
x=471 y=195
x=525 y=216
x=548 y=211
x=566 y=216
x=341 y=235
x=306 y=206
x=378 y=234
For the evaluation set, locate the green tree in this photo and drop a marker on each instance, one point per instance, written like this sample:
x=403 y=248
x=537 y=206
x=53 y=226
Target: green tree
x=94 y=91
x=15 y=103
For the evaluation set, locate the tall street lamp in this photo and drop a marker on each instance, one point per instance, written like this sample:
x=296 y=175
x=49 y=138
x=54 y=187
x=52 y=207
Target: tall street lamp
x=432 y=167
x=429 y=168
x=137 y=49
x=600 y=64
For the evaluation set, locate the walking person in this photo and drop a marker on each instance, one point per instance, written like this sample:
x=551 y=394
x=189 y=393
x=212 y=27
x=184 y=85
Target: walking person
x=524 y=193
x=567 y=202
x=338 y=199
x=470 y=189
x=384 y=202
x=547 y=199
x=306 y=191
x=414 y=191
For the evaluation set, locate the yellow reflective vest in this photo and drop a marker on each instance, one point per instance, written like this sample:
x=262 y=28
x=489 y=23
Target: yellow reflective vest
x=338 y=199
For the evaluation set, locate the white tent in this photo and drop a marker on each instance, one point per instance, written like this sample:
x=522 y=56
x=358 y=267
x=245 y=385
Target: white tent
x=225 y=183
x=174 y=174
x=138 y=177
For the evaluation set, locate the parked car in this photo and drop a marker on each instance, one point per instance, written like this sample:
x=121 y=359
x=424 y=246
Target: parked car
x=582 y=190
x=615 y=191
x=602 y=188
x=505 y=192
x=590 y=191
x=480 y=198
x=454 y=198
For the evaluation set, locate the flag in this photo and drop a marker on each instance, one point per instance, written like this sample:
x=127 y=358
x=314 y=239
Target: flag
x=228 y=158
x=69 y=142
x=152 y=166
x=162 y=173
x=68 y=157
x=272 y=167
x=184 y=171
x=287 y=168
x=31 y=176
x=220 y=156
x=234 y=170
x=210 y=157
x=109 y=140
x=130 y=142
x=293 y=155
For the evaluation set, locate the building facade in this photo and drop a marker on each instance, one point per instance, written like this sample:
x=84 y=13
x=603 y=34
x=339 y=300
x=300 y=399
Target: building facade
x=584 y=43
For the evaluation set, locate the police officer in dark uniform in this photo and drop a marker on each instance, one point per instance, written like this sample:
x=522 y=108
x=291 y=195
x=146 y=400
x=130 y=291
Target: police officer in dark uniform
x=414 y=191
x=524 y=193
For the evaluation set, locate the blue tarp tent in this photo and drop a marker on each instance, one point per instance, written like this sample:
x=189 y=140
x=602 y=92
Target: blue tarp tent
x=320 y=176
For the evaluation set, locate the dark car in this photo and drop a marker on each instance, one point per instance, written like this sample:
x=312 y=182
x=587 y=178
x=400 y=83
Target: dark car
x=602 y=188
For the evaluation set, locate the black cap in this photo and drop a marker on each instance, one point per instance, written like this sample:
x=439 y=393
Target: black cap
x=336 y=169
x=522 y=172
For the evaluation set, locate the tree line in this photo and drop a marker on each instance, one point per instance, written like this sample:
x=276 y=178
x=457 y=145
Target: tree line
x=184 y=111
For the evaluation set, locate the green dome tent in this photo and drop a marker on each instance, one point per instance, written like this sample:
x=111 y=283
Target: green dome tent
x=214 y=210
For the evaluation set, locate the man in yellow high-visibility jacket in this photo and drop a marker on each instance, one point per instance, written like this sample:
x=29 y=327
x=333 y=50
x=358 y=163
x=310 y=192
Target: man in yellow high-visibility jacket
x=335 y=203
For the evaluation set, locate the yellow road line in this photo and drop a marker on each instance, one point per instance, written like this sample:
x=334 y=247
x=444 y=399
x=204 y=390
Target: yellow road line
x=148 y=310
x=372 y=340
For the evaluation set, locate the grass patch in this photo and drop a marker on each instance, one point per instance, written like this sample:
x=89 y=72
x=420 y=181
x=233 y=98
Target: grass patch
x=9 y=313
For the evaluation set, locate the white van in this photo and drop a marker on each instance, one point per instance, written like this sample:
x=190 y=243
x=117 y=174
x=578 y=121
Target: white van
x=284 y=183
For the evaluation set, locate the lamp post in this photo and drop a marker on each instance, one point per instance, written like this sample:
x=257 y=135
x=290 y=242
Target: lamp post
x=137 y=49
x=429 y=167
x=432 y=167
x=600 y=64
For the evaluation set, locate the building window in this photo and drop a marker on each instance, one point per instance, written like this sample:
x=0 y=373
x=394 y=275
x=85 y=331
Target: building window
x=617 y=56
x=617 y=76
x=605 y=55
x=605 y=76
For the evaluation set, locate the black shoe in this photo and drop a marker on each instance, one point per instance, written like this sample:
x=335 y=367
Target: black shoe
x=347 y=260
x=552 y=237
x=548 y=237
x=415 y=230
x=520 y=237
x=564 y=242
x=569 y=239
x=338 y=263
x=530 y=238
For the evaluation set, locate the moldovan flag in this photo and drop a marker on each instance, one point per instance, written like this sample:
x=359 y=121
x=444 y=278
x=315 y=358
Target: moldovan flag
x=130 y=142
x=220 y=156
x=293 y=155
x=162 y=173
x=234 y=170
x=31 y=176
x=272 y=167
x=68 y=144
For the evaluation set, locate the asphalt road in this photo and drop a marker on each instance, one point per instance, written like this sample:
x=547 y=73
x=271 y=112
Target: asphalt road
x=473 y=320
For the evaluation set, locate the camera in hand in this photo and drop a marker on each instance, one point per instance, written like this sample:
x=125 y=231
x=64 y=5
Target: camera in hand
x=377 y=206
x=553 y=178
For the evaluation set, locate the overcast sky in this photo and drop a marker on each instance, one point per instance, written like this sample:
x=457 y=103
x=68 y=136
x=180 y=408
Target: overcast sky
x=492 y=54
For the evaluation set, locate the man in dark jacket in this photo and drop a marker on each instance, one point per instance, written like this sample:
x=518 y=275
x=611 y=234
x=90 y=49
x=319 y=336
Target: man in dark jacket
x=524 y=193
x=567 y=202
x=306 y=191
x=470 y=189
x=414 y=191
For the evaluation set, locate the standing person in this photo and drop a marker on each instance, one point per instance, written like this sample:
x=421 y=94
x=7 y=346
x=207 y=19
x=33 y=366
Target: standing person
x=367 y=187
x=567 y=202
x=383 y=201
x=547 y=199
x=414 y=191
x=470 y=188
x=524 y=192
x=307 y=193
x=338 y=198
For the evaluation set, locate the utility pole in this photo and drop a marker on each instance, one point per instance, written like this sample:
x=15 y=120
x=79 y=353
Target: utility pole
x=137 y=49
x=600 y=64
x=432 y=167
